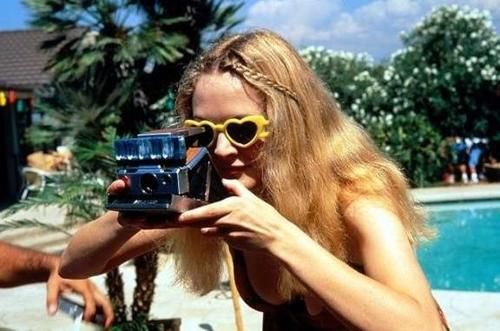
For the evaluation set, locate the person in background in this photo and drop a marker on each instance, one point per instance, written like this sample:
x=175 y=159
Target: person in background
x=448 y=153
x=319 y=222
x=476 y=155
x=461 y=157
x=21 y=266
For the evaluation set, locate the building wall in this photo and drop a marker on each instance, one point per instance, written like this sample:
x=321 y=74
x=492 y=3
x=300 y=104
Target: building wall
x=11 y=154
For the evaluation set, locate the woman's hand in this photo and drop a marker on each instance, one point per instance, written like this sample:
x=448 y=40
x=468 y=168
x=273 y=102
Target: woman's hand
x=140 y=221
x=117 y=187
x=244 y=221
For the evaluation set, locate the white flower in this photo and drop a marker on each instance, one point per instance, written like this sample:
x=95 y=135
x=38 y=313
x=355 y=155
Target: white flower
x=388 y=75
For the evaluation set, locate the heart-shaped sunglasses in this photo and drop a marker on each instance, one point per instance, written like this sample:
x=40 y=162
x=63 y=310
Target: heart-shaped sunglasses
x=242 y=132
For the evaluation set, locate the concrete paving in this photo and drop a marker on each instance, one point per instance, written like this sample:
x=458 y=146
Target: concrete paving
x=23 y=308
x=459 y=192
x=470 y=311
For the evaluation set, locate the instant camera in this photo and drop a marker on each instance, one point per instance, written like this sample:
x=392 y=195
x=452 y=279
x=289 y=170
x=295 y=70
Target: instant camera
x=165 y=173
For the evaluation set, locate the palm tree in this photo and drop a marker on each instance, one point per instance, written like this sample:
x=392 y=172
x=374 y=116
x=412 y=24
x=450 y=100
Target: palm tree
x=114 y=65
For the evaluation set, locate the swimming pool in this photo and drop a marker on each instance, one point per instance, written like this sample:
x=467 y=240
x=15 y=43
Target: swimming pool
x=466 y=254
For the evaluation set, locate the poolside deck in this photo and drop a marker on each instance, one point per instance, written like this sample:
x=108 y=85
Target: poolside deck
x=470 y=311
x=23 y=308
x=460 y=192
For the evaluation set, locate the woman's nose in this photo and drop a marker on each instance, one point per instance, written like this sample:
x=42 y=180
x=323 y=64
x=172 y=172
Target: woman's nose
x=223 y=146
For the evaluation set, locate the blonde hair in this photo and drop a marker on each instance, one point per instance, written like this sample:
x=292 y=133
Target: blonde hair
x=316 y=160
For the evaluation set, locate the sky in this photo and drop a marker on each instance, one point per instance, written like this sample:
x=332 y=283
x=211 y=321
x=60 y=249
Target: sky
x=358 y=26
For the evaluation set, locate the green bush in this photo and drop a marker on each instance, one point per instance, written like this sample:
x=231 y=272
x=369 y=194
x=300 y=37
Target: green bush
x=444 y=82
x=348 y=76
x=412 y=142
x=357 y=84
x=449 y=71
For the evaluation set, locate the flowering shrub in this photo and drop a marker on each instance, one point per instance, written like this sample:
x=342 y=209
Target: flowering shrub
x=444 y=82
x=358 y=85
x=449 y=71
x=413 y=143
x=348 y=76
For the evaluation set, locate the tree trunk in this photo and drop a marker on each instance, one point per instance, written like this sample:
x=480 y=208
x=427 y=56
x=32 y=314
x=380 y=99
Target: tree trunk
x=114 y=284
x=146 y=268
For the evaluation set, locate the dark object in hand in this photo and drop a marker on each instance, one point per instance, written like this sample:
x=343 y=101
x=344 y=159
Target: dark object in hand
x=75 y=309
x=164 y=174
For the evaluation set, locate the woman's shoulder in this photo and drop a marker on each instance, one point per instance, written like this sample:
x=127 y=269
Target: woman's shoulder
x=367 y=216
x=362 y=205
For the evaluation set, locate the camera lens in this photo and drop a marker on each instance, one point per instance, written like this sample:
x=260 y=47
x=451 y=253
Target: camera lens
x=149 y=183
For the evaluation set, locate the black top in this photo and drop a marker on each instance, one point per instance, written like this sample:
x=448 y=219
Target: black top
x=290 y=316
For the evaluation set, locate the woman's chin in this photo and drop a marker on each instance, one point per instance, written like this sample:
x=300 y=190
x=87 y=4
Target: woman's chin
x=248 y=181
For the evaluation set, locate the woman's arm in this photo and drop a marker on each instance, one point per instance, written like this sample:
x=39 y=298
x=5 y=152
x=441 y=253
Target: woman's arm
x=393 y=294
x=104 y=243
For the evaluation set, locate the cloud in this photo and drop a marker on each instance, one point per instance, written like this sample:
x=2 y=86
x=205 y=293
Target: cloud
x=491 y=5
x=299 y=21
x=373 y=27
x=346 y=26
x=402 y=7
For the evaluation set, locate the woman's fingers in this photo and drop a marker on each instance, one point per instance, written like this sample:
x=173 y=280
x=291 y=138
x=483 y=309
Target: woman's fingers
x=117 y=187
x=202 y=215
x=237 y=188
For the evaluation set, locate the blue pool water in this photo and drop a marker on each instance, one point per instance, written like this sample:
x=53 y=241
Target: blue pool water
x=466 y=254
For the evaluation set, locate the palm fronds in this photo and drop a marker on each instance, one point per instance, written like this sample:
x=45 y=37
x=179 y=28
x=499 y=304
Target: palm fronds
x=111 y=79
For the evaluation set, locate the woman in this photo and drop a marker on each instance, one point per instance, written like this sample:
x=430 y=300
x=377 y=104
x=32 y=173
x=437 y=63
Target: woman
x=313 y=203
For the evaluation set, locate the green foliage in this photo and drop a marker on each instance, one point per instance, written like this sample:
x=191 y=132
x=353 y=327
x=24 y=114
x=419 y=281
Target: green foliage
x=28 y=223
x=75 y=118
x=97 y=156
x=79 y=193
x=412 y=142
x=144 y=324
x=449 y=71
x=95 y=44
x=357 y=84
x=444 y=82
x=139 y=324
x=349 y=76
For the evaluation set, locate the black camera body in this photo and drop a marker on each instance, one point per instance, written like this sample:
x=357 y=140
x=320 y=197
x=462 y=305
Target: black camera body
x=164 y=173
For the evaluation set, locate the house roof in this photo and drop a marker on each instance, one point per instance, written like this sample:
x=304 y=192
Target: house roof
x=21 y=59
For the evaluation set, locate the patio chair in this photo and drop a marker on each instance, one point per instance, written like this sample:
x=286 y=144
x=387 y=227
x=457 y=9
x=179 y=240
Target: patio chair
x=34 y=180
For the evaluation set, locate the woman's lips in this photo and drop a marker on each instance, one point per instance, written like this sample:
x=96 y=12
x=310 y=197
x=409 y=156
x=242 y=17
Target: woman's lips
x=231 y=170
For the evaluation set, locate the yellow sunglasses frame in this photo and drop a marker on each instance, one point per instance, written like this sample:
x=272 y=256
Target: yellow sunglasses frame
x=259 y=120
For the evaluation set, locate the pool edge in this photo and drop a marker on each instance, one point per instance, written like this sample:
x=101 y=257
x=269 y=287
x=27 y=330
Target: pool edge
x=472 y=192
